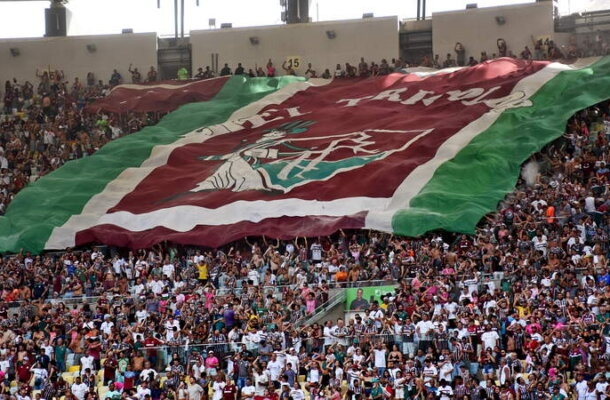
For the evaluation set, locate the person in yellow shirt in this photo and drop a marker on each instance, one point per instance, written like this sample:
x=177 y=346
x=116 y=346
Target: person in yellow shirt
x=202 y=269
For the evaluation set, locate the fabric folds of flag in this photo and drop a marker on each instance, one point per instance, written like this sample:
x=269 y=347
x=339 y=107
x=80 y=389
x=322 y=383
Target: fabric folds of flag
x=287 y=157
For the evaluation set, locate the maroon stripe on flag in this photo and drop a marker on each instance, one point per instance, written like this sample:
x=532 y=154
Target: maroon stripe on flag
x=151 y=98
x=213 y=236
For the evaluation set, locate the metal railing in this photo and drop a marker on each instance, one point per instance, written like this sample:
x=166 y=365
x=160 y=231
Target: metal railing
x=334 y=300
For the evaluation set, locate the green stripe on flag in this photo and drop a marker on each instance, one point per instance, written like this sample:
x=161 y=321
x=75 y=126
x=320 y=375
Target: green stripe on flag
x=51 y=201
x=489 y=165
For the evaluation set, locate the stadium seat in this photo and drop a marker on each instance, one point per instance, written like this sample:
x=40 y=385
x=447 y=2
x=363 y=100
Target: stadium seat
x=74 y=368
x=68 y=377
x=102 y=391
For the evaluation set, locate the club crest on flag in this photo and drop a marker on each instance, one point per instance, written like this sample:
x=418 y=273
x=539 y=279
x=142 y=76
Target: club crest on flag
x=289 y=155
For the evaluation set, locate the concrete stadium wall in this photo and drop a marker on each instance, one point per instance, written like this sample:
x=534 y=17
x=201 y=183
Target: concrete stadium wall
x=478 y=30
x=71 y=55
x=371 y=38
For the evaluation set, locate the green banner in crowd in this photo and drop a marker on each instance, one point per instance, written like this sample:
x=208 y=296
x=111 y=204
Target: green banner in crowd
x=359 y=299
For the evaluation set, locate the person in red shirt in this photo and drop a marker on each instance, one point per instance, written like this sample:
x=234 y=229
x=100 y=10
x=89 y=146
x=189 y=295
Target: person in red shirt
x=269 y=395
x=110 y=367
x=151 y=343
x=22 y=370
x=229 y=391
x=94 y=348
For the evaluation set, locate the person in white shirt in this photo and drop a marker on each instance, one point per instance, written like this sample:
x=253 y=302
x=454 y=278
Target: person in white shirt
x=297 y=392
x=376 y=315
x=198 y=257
x=601 y=386
x=581 y=387
x=142 y=314
x=315 y=375
x=451 y=307
x=107 y=325
x=490 y=338
x=40 y=375
x=87 y=362
x=4 y=364
x=445 y=369
x=253 y=276
x=168 y=269
x=379 y=357
x=79 y=389
x=429 y=373
x=138 y=288
x=444 y=391
x=170 y=324
x=540 y=242
x=145 y=375
x=472 y=283
x=293 y=359
x=248 y=391
x=328 y=337
x=217 y=387
x=424 y=328
x=274 y=366
x=504 y=372
x=140 y=266
x=118 y=265
x=156 y=286
x=339 y=332
x=142 y=390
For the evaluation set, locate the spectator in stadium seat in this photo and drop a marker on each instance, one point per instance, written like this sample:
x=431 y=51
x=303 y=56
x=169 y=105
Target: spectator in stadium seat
x=288 y=69
x=151 y=76
x=200 y=74
x=363 y=68
x=339 y=72
x=526 y=54
x=436 y=62
x=182 y=74
x=239 y=70
x=115 y=78
x=501 y=44
x=460 y=52
x=270 y=69
x=310 y=72
x=449 y=62
x=136 y=76
x=226 y=70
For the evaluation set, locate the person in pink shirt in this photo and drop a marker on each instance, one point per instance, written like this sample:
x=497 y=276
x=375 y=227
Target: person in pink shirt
x=211 y=364
x=310 y=303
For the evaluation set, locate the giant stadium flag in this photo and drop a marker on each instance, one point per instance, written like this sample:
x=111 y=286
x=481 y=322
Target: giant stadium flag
x=162 y=96
x=288 y=157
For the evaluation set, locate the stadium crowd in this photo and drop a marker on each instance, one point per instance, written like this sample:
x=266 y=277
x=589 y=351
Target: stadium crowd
x=44 y=125
x=597 y=44
x=519 y=311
